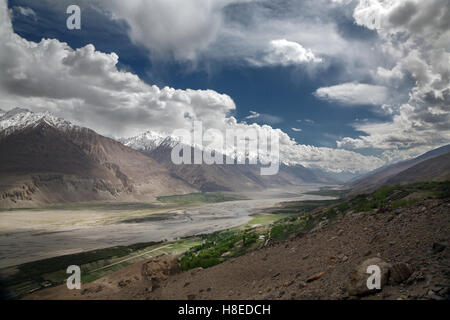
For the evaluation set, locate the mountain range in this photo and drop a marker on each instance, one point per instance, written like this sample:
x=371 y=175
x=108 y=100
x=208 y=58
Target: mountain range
x=431 y=166
x=48 y=160
x=222 y=177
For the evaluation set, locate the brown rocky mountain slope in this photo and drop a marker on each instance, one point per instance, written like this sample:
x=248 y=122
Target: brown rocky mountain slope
x=387 y=174
x=42 y=164
x=434 y=169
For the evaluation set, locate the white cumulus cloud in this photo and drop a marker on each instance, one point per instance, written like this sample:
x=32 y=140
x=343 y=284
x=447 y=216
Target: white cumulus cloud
x=416 y=34
x=285 y=53
x=354 y=94
x=182 y=28
x=86 y=87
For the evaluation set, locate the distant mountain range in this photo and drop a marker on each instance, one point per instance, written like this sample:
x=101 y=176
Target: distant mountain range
x=431 y=166
x=48 y=160
x=221 y=177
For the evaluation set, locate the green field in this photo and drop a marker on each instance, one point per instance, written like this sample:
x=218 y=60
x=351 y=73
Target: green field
x=150 y=218
x=328 y=192
x=95 y=264
x=213 y=197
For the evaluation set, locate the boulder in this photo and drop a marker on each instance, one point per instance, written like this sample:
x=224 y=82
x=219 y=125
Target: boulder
x=315 y=277
x=358 y=280
x=400 y=272
x=158 y=269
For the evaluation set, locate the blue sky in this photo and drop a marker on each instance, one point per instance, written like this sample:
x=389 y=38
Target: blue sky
x=285 y=92
x=357 y=84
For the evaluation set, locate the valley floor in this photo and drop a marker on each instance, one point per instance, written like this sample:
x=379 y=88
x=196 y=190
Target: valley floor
x=312 y=265
x=29 y=235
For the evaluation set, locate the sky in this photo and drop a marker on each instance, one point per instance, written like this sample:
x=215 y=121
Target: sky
x=350 y=85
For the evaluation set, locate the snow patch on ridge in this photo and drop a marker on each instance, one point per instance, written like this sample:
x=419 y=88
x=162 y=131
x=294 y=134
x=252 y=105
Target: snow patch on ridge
x=19 y=119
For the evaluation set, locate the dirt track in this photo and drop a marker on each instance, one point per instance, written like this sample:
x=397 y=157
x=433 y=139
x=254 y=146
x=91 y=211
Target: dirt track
x=281 y=271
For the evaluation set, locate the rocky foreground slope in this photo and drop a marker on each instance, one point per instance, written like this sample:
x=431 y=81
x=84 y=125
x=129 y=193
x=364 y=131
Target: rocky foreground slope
x=411 y=245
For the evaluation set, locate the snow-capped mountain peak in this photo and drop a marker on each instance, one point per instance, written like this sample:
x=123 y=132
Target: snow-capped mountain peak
x=150 y=140
x=19 y=119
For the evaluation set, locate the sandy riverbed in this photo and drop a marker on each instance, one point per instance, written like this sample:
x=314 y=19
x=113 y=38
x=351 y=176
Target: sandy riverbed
x=30 y=235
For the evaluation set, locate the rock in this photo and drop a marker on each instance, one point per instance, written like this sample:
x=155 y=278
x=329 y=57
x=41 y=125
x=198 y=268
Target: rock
x=437 y=289
x=342 y=257
x=340 y=232
x=226 y=254
x=416 y=276
x=98 y=289
x=438 y=298
x=315 y=277
x=196 y=270
x=289 y=283
x=368 y=253
x=358 y=281
x=323 y=224
x=191 y=296
x=428 y=279
x=400 y=272
x=158 y=269
x=123 y=283
x=438 y=247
